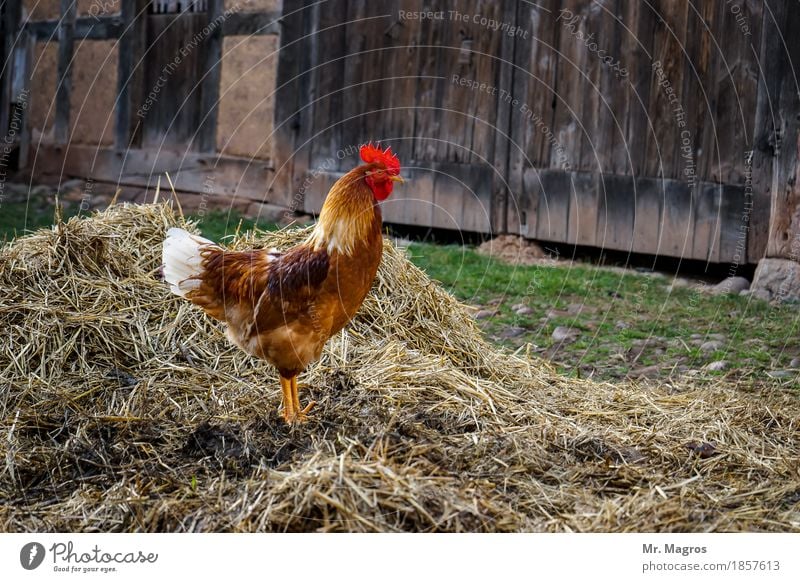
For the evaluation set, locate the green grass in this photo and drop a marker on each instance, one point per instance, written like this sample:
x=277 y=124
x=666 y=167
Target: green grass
x=627 y=321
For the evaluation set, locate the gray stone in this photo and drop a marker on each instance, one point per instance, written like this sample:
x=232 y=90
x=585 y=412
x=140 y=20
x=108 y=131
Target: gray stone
x=795 y=363
x=761 y=294
x=563 y=333
x=731 y=285
x=513 y=331
x=485 y=314
x=524 y=310
x=717 y=366
x=778 y=277
x=711 y=346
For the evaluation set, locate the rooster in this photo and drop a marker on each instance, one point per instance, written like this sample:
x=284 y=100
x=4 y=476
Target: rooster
x=284 y=306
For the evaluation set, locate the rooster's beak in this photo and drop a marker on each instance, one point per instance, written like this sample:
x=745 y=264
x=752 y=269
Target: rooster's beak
x=397 y=179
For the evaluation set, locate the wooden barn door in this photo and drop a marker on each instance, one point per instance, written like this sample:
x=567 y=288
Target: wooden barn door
x=174 y=65
x=354 y=71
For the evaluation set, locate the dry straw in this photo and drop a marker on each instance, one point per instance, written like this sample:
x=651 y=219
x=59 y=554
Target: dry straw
x=123 y=408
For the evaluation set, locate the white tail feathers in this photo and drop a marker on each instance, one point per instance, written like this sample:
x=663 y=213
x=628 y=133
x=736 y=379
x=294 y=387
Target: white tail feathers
x=182 y=260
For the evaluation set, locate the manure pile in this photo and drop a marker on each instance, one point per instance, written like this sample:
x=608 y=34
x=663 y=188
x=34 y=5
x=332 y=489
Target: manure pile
x=123 y=408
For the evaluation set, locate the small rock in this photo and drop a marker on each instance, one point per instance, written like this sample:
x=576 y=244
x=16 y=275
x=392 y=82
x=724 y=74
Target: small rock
x=745 y=292
x=720 y=337
x=702 y=450
x=510 y=332
x=761 y=294
x=795 y=363
x=695 y=336
x=621 y=325
x=563 y=333
x=574 y=308
x=517 y=306
x=524 y=310
x=779 y=277
x=485 y=314
x=731 y=285
x=711 y=346
x=646 y=371
x=717 y=366
x=781 y=374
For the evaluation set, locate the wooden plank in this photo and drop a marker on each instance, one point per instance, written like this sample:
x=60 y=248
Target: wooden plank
x=630 y=148
x=697 y=124
x=677 y=224
x=772 y=64
x=599 y=83
x=11 y=37
x=449 y=190
x=732 y=235
x=426 y=120
x=568 y=130
x=417 y=196
x=524 y=207
x=402 y=64
x=251 y=23
x=210 y=71
x=130 y=74
x=501 y=180
x=648 y=214
x=66 y=31
x=539 y=92
x=663 y=152
x=327 y=128
x=615 y=213
x=552 y=215
x=705 y=244
x=171 y=110
x=86 y=28
x=583 y=207
x=784 y=230
x=478 y=201
x=192 y=172
x=289 y=101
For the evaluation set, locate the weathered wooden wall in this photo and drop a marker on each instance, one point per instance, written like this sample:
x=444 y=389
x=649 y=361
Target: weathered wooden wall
x=650 y=146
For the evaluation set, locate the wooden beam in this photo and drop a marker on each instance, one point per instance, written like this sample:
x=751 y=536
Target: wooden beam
x=252 y=24
x=190 y=172
x=129 y=73
x=86 y=28
x=10 y=24
x=784 y=227
x=209 y=85
x=66 y=31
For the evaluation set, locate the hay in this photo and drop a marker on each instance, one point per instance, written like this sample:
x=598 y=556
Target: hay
x=123 y=408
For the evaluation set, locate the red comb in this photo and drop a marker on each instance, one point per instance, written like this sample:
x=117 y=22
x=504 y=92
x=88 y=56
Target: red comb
x=372 y=154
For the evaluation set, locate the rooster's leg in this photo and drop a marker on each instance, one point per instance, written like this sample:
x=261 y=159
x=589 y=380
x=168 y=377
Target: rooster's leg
x=301 y=412
x=289 y=410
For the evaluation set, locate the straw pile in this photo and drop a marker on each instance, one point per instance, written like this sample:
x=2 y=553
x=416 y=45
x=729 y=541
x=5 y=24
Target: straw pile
x=123 y=408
